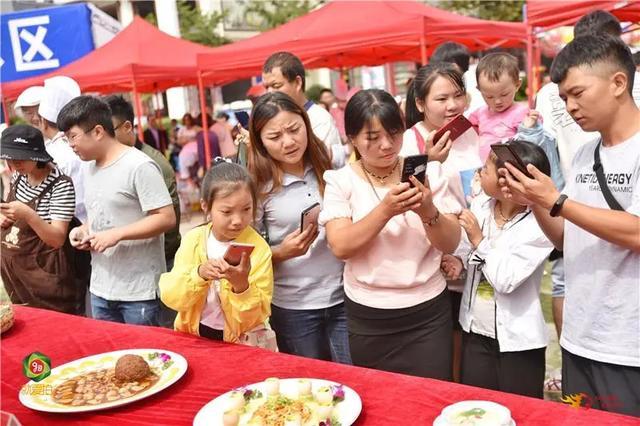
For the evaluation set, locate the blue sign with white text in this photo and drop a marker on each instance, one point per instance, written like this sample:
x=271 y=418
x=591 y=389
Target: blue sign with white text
x=39 y=41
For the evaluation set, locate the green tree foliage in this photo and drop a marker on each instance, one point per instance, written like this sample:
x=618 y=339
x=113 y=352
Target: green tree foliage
x=495 y=10
x=313 y=92
x=272 y=13
x=195 y=26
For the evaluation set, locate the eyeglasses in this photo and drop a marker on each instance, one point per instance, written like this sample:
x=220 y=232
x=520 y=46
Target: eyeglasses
x=77 y=135
x=119 y=125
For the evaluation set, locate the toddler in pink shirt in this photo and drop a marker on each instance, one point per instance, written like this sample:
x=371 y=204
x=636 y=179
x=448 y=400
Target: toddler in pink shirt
x=498 y=79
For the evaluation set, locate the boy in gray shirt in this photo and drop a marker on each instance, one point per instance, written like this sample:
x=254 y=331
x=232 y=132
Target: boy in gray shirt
x=129 y=209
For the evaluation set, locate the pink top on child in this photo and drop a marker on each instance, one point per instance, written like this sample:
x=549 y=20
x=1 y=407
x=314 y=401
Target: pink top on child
x=399 y=268
x=496 y=127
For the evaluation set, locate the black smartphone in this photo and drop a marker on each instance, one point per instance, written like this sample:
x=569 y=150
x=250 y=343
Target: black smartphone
x=415 y=165
x=309 y=216
x=243 y=118
x=507 y=154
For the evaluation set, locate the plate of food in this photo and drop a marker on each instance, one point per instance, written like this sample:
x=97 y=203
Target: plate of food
x=475 y=413
x=284 y=402
x=104 y=381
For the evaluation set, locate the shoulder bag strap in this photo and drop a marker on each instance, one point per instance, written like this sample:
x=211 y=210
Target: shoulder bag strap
x=602 y=181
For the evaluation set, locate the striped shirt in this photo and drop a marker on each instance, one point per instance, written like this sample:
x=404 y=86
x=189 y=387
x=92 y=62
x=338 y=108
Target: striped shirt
x=59 y=203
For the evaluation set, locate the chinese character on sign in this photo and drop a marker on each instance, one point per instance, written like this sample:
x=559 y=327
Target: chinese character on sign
x=30 y=51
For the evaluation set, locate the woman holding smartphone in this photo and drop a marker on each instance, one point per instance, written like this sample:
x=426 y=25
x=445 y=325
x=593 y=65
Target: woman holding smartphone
x=391 y=236
x=288 y=162
x=436 y=96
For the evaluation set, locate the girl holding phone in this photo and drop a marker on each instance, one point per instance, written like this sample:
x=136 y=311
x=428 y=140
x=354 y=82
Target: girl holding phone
x=288 y=161
x=392 y=237
x=214 y=298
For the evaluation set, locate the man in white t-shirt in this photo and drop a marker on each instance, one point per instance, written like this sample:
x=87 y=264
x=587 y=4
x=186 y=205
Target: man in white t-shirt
x=569 y=135
x=596 y=221
x=284 y=72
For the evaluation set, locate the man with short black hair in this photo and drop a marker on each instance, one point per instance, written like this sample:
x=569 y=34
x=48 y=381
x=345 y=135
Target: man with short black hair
x=154 y=135
x=129 y=209
x=284 y=72
x=327 y=99
x=122 y=117
x=636 y=60
x=596 y=221
x=569 y=135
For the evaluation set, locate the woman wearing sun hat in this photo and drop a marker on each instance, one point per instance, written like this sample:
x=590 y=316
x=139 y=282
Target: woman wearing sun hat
x=36 y=258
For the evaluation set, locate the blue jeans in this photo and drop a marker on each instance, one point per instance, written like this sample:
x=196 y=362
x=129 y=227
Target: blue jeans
x=313 y=333
x=557 y=278
x=144 y=312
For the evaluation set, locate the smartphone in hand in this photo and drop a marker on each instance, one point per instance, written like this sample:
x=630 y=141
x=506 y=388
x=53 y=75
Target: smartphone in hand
x=309 y=216
x=458 y=126
x=507 y=154
x=415 y=165
x=233 y=255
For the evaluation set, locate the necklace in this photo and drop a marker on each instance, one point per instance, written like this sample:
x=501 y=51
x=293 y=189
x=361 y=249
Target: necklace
x=380 y=178
x=506 y=220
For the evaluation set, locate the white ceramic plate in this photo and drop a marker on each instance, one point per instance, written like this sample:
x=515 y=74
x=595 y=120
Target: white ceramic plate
x=169 y=371
x=440 y=421
x=346 y=411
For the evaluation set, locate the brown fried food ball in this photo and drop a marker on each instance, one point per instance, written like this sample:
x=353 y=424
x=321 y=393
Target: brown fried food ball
x=131 y=368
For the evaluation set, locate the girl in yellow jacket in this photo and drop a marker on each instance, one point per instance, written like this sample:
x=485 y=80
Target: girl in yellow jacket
x=213 y=298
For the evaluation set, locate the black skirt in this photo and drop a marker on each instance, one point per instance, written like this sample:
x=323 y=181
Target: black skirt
x=415 y=340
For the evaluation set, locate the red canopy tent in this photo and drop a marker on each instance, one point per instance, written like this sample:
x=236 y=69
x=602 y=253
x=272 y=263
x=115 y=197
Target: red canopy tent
x=354 y=33
x=141 y=58
x=547 y=14
x=543 y=15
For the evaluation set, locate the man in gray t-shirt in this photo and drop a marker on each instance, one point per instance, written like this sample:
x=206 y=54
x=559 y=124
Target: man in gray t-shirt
x=129 y=209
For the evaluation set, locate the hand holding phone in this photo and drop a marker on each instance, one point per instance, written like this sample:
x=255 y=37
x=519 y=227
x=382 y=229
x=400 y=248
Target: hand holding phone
x=234 y=252
x=296 y=243
x=457 y=126
x=506 y=154
x=415 y=165
x=309 y=216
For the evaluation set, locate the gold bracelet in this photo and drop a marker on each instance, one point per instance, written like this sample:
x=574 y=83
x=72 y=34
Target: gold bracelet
x=434 y=220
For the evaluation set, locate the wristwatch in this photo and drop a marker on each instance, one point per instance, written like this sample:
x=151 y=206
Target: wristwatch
x=557 y=206
x=433 y=220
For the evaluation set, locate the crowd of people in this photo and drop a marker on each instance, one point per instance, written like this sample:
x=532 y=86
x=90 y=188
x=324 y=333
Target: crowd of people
x=437 y=278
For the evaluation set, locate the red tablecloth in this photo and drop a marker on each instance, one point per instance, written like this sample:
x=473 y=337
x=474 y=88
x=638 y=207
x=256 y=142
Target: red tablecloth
x=214 y=368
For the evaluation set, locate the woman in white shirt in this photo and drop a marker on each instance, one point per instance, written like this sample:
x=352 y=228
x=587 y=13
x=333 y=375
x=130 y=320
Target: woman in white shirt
x=505 y=335
x=391 y=237
x=436 y=95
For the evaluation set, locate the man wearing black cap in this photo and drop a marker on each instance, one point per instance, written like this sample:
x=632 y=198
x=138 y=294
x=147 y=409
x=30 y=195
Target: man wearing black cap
x=37 y=264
